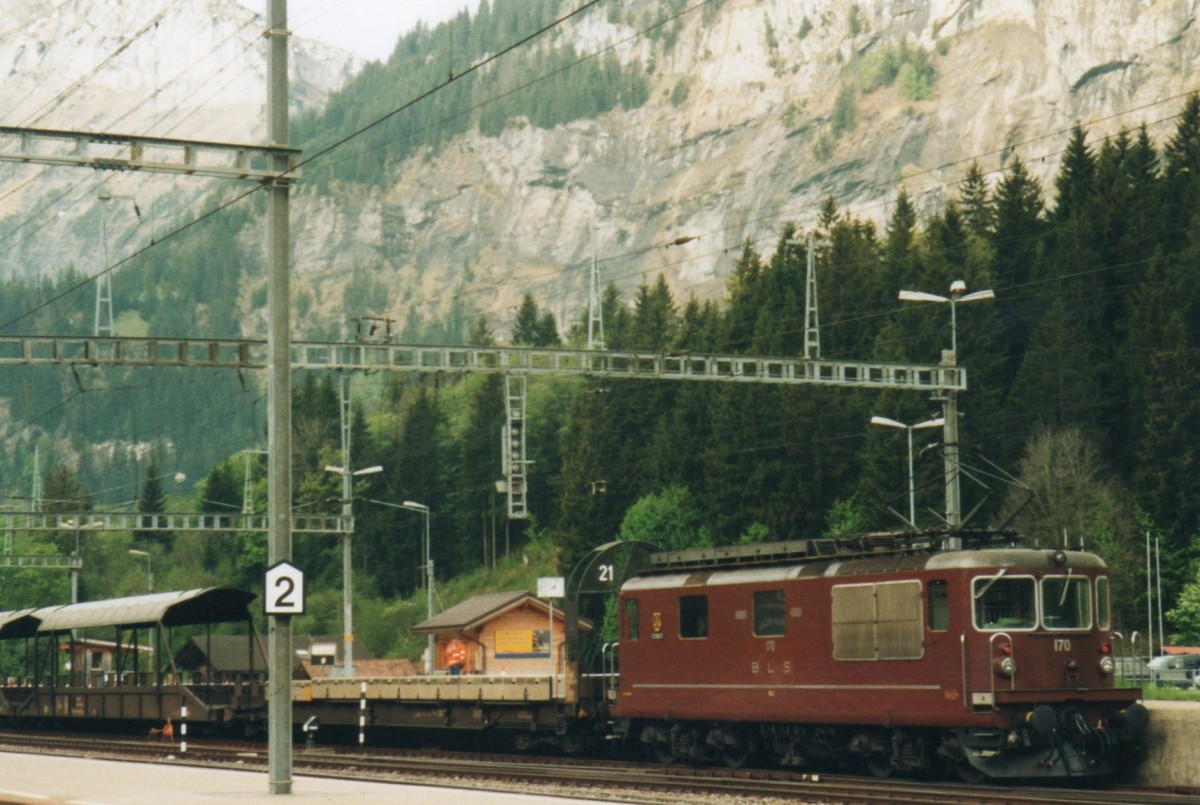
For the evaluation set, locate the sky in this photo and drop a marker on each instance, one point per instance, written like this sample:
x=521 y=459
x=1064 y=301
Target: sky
x=369 y=28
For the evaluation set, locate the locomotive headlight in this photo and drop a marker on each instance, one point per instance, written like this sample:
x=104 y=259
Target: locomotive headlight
x=1107 y=666
x=1006 y=667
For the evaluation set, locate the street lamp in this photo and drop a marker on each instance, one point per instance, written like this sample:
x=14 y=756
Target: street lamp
x=912 y=491
x=421 y=507
x=149 y=570
x=347 y=574
x=958 y=294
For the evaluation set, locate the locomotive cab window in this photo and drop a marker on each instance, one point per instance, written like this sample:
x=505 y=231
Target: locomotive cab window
x=1066 y=603
x=939 y=606
x=769 y=613
x=1005 y=602
x=631 y=618
x=1103 y=604
x=693 y=616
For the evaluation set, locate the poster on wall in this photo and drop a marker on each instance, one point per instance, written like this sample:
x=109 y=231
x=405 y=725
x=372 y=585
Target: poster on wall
x=522 y=644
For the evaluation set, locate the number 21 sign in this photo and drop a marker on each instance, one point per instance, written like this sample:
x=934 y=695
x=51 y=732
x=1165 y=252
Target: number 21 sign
x=284 y=590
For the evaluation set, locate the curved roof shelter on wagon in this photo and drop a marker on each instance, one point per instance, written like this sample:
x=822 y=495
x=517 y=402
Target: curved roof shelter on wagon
x=17 y=624
x=187 y=608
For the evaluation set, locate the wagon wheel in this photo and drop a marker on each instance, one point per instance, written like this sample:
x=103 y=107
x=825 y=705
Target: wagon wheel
x=879 y=764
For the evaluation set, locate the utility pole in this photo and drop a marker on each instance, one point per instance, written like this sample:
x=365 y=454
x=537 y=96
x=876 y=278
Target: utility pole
x=595 y=312
x=949 y=400
x=279 y=424
x=104 y=294
x=812 y=329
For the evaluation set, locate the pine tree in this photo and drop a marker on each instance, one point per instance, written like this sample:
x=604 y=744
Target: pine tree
x=654 y=323
x=62 y=492
x=899 y=247
x=745 y=296
x=152 y=500
x=1181 y=175
x=976 y=203
x=477 y=466
x=1076 y=178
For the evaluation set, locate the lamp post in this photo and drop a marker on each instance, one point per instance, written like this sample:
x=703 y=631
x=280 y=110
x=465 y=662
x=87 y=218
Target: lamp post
x=347 y=573
x=912 y=490
x=421 y=507
x=958 y=294
x=149 y=569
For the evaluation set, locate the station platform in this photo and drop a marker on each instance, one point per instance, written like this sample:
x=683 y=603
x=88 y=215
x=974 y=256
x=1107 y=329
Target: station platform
x=28 y=779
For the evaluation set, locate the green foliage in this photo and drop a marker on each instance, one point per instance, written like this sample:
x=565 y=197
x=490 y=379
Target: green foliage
x=680 y=93
x=533 y=328
x=769 y=36
x=1185 y=617
x=845 y=518
x=545 y=86
x=668 y=519
x=823 y=148
x=908 y=67
x=366 y=293
x=856 y=23
x=844 y=111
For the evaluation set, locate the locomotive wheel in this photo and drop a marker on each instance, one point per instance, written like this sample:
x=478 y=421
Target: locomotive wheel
x=664 y=753
x=968 y=773
x=879 y=765
x=735 y=753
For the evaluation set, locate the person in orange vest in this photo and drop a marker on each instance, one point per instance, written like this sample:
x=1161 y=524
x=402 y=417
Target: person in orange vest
x=456 y=656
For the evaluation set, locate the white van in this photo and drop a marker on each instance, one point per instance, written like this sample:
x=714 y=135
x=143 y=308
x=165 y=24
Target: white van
x=1175 y=670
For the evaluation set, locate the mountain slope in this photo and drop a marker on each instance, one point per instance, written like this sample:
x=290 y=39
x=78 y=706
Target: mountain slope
x=757 y=111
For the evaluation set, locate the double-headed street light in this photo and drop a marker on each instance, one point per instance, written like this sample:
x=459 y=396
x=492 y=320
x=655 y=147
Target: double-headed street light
x=912 y=489
x=421 y=507
x=958 y=293
x=347 y=574
x=149 y=570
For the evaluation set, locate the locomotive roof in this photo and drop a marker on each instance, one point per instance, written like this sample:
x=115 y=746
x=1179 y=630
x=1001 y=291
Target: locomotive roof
x=982 y=559
x=187 y=608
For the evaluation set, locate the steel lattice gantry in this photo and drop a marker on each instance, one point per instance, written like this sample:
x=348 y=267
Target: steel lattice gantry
x=127 y=152
x=174 y=521
x=375 y=357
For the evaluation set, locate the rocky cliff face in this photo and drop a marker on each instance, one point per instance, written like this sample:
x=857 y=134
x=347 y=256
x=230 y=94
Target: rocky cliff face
x=193 y=70
x=757 y=114
x=759 y=110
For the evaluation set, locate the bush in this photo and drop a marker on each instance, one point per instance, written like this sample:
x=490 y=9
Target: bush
x=844 y=111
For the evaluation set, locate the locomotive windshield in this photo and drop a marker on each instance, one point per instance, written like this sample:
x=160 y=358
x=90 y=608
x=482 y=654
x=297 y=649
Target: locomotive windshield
x=1066 y=602
x=1005 y=603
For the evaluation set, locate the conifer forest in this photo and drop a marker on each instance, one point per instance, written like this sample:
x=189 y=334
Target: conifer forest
x=1081 y=420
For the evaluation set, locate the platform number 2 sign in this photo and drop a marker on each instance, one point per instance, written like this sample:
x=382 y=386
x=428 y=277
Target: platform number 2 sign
x=284 y=590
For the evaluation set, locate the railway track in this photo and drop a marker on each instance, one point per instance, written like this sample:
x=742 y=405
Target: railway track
x=600 y=780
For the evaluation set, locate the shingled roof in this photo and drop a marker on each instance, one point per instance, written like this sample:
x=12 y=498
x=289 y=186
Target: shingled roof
x=479 y=609
x=476 y=610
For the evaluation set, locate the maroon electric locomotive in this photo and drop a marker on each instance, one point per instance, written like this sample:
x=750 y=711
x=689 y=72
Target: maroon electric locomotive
x=991 y=658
